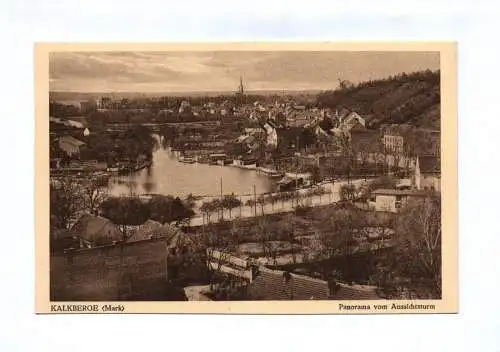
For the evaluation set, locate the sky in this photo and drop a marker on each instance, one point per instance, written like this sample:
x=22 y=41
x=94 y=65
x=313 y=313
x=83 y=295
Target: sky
x=221 y=70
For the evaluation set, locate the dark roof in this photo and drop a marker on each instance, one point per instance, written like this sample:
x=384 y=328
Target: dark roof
x=272 y=285
x=355 y=293
x=429 y=164
x=90 y=228
x=145 y=231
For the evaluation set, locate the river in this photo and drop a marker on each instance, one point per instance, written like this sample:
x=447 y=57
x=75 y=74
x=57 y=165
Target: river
x=168 y=176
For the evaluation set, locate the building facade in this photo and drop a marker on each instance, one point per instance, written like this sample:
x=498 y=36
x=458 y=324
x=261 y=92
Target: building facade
x=392 y=200
x=71 y=146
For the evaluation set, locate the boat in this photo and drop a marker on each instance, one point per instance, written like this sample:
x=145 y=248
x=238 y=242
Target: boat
x=275 y=175
x=249 y=161
x=186 y=160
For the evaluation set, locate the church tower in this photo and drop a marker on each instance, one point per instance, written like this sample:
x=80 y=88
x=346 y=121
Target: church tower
x=241 y=89
x=240 y=94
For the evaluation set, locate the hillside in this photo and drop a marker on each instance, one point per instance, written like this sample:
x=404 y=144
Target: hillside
x=406 y=98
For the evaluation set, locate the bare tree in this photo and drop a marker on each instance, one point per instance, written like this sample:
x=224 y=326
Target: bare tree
x=218 y=248
x=262 y=202
x=337 y=237
x=348 y=156
x=207 y=209
x=93 y=195
x=418 y=245
x=65 y=202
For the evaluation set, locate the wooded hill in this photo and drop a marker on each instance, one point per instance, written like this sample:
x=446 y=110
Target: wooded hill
x=405 y=98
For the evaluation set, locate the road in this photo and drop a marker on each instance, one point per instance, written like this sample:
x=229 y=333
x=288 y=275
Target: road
x=246 y=211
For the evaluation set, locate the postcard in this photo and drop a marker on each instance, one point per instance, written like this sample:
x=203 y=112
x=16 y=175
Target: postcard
x=246 y=178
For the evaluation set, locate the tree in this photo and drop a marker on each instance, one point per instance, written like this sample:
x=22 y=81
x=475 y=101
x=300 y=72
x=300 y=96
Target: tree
x=418 y=247
x=315 y=173
x=207 y=209
x=285 y=230
x=261 y=200
x=230 y=202
x=125 y=211
x=191 y=201
x=65 y=202
x=251 y=204
x=348 y=158
x=337 y=238
x=94 y=194
x=347 y=192
x=218 y=246
x=218 y=206
x=167 y=209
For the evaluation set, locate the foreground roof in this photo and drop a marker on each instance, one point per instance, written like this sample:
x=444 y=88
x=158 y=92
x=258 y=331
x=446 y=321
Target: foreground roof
x=280 y=285
x=272 y=285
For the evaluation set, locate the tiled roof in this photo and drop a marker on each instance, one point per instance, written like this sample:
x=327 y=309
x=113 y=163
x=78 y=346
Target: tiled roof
x=272 y=285
x=355 y=293
x=144 y=232
x=89 y=228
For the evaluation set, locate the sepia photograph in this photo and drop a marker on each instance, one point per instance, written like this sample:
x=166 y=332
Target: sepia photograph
x=216 y=178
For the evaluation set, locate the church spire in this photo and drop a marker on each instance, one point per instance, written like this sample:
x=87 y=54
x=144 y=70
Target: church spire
x=241 y=90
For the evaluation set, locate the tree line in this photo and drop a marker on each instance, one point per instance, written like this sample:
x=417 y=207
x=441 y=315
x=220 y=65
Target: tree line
x=69 y=198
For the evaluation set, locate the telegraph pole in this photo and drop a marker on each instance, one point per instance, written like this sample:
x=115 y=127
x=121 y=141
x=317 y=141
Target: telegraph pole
x=254 y=200
x=221 y=207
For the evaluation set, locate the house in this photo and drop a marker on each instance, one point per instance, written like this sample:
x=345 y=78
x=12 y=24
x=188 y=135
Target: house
x=255 y=131
x=392 y=200
x=96 y=231
x=340 y=113
x=352 y=119
x=271 y=135
x=393 y=143
x=364 y=139
x=88 y=106
x=184 y=106
x=428 y=173
x=136 y=271
x=70 y=145
x=395 y=136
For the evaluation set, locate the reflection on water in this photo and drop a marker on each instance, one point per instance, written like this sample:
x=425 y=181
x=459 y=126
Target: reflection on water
x=169 y=176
